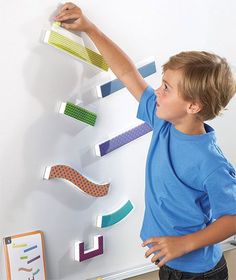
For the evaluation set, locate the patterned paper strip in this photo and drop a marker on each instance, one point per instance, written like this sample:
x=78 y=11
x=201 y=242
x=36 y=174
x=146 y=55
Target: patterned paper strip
x=115 y=85
x=122 y=139
x=82 y=255
x=25 y=269
x=82 y=183
x=78 y=113
x=75 y=49
x=33 y=259
x=116 y=216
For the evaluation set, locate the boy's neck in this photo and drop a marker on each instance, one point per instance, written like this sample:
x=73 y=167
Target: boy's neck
x=191 y=127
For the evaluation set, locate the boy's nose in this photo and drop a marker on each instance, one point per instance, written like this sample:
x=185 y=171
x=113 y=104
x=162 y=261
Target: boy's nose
x=158 y=91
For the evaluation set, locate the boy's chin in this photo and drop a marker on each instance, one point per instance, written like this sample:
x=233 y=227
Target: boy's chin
x=159 y=115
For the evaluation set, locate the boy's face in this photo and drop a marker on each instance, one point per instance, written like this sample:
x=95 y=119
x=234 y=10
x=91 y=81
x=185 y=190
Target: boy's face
x=170 y=105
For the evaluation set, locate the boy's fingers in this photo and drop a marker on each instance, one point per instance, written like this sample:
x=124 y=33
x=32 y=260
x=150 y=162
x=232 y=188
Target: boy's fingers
x=150 y=241
x=157 y=257
x=67 y=6
x=66 y=17
x=66 y=12
x=162 y=262
x=152 y=250
x=70 y=26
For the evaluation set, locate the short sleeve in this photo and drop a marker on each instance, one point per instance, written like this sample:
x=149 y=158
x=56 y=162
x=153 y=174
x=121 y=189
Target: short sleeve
x=221 y=188
x=147 y=108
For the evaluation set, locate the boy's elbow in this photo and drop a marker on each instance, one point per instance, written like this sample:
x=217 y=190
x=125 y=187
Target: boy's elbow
x=232 y=222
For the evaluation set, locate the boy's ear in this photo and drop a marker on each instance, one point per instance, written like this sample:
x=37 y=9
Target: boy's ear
x=194 y=108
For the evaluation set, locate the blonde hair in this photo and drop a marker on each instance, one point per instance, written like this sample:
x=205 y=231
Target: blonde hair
x=207 y=79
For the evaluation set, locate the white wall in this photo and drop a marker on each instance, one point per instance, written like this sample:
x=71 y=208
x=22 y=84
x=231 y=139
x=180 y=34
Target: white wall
x=35 y=78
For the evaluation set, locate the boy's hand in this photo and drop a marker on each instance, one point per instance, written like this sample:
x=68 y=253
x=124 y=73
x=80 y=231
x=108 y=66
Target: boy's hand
x=167 y=248
x=121 y=65
x=77 y=20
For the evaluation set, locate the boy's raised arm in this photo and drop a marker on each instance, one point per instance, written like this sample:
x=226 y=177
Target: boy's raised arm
x=121 y=65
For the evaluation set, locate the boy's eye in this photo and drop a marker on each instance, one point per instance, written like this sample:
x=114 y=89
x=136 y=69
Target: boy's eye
x=165 y=87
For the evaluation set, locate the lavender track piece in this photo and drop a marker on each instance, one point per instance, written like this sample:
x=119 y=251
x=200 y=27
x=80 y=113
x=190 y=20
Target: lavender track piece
x=122 y=139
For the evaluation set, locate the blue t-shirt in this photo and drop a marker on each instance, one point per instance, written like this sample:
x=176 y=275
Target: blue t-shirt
x=189 y=183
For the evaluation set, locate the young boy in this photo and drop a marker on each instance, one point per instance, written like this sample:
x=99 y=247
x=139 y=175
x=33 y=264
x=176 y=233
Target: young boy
x=190 y=186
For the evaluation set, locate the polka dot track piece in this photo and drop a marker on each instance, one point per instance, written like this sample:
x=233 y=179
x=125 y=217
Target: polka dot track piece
x=68 y=173
x=122 y=139
x=78 y=113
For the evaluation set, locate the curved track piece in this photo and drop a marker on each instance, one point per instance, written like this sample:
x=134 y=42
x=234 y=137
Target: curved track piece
x=116 y=216
x=82 y=183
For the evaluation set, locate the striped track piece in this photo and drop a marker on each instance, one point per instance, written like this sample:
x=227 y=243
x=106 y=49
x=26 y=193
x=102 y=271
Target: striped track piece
x=122 y=139
x=82 y=255
x=116 y=216
x=78 y=113
x=75 y=49
x=115 y=85
x=82 y=183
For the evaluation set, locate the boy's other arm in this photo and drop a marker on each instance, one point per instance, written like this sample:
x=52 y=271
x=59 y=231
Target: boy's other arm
x=119 y=62
x=216 y=232
x=171 y=247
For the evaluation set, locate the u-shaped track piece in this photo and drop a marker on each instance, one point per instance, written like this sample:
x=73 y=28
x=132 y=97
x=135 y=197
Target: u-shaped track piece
x=82 y=255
